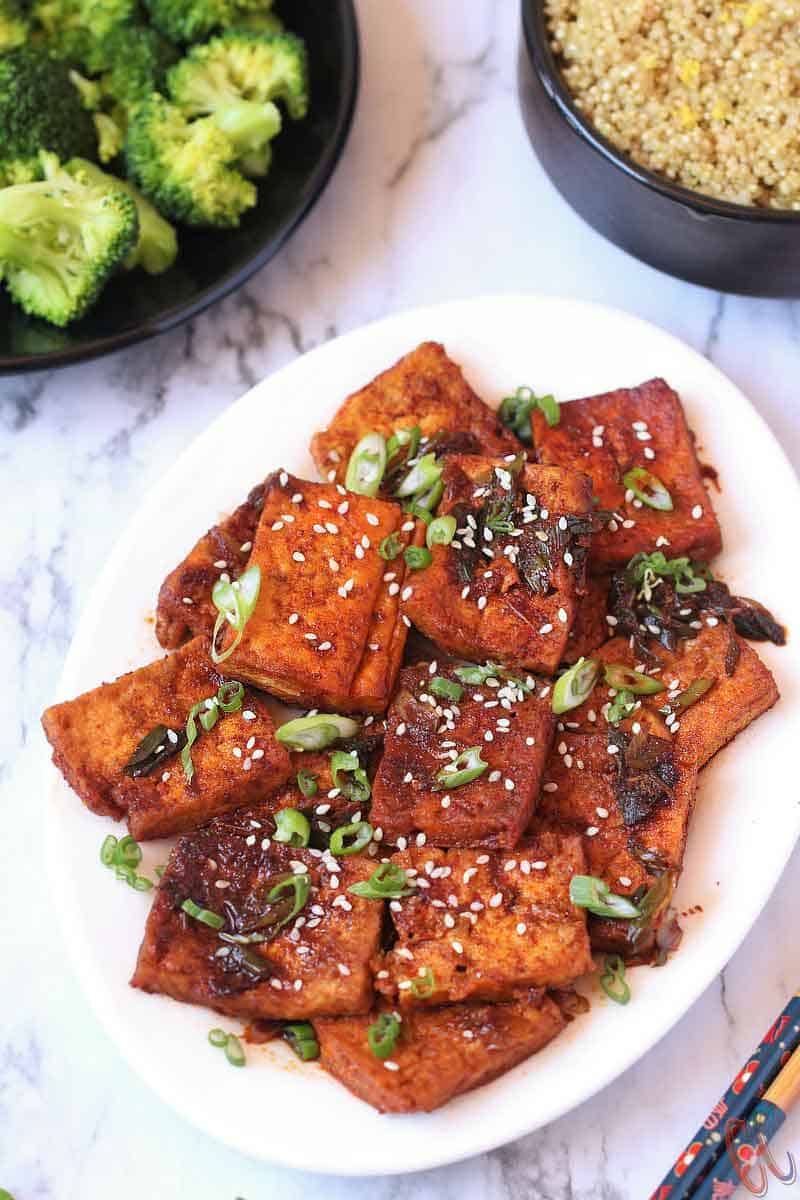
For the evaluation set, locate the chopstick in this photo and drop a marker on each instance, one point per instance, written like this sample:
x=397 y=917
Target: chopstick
x=775 y=1054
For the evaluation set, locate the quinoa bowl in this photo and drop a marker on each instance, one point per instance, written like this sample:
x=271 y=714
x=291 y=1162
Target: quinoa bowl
x=718 y=243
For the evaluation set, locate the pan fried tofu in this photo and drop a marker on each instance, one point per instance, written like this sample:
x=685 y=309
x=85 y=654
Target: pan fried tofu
x=743 y=688
x=317 y=963
x=626 y=810
x=512 y=726
x=326 y=630
x=94 y=736
x=507 y=587
x=184 y=601
x=479 y=925
x=606 y=436
x=590 y=629
x=425 y=388
x=440 y=1053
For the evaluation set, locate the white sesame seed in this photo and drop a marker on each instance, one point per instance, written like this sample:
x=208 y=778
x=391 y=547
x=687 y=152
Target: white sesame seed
x=248 y=715
x=407 y=593
x=401 y=728
x=188 y=600
x=389 y=1065
x=421 y=839
x=539 y=865
x=521 y=928
x=298 y=556
x=496 y=900
x=601 y=812
x=612 y=749
x=482 y=602
x=546 y=628
x=508 y=784
x=697 y=512
x=459 y=949
x=550 y=787
x=165 y=777
x=625 y=880
x=592 y=831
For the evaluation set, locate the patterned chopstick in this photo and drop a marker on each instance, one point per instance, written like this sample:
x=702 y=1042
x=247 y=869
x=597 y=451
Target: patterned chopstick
x=758 y=1073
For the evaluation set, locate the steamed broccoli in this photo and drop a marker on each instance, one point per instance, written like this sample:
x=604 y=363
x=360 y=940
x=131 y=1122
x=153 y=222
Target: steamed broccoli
x=14 y=27
x=59 y=242
x=240 y=66
x=184 y=166
x=133 y=62
x=258 y=22
x=39 y=110
x=194 y=20
x=73 y=26
x=157 y=246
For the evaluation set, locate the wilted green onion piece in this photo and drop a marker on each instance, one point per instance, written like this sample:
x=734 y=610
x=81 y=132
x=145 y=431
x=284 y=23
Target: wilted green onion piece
x=617 y=675
x=367 y=465
x=417 y=557
x=423 y=476
x=621 y=706
x=613 y=981
x=648 y=488
x=358 y=788
x=440 y=532
x=234 y=1051
x=549 y=408
x=407 y=439
x=446 y=689
x=360 y=831
x=387 y=882
x=467 y=767
x=383 y=1033
x=300 y=885
x=230 y=696
x=587 y=891
x=689 y=696
x=217 y=1037
x=204 y=915
x=515 y=413
x=317 y=732
x=390 y=547
x=227 y=700
x=303 y=1040
x=575 y=685
x=424 y=985
x=107 y=850
x=291 y=827
x=234 y=603
x=124 y=856
x=307 y=782
x=646 y=569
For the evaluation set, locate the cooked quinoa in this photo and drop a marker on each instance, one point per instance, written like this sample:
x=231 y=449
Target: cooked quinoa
x=705 y=92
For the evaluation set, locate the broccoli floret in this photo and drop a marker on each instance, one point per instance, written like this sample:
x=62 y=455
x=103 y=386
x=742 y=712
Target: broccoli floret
x=40 y=109
x=134 y=60
x=242 y=66
x=258 y=22
x=110 y=135
x=184 y=166
x=157 y=247
x=14 y=27
x=73 y=25
x=20 y=170
x=59 y=242
x=195 y=20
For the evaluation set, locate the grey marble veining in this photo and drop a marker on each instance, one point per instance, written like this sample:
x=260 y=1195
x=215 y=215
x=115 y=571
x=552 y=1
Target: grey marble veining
x=437 y=197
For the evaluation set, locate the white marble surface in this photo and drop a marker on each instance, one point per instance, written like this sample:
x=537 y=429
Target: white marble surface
x=437 y=197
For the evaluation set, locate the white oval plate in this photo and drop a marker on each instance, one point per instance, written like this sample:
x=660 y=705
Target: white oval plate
x=747 y=819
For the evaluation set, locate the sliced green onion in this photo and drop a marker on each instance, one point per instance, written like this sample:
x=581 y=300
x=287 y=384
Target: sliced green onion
x=475 y=675
x=652 y=904
x=422 y=477
x=440 y=532
x=230 y=696
x=358 y=788
x=227 y=700
x=499 y=518
x=300 y=885
x=192 y=735
x=550 y=409
x=124 y=856
x=142 y=884
x=424 y=985
x=467 y=767
x=291 y=827
x=234 y=603
x=621 y=707
x=204 y=915
x=217 y=1037
x=428 y=498
x=307 y=782
x=575 y=685
x=108 y=850
x=367 y=465
x=446 y=689
x=128 y=852
x=234 y=1051
x=417 y=557
x=689 y=696
x=317 y=732
x=613 y=982
x=127 y=874
x=154 y=748
x=303 y=1040
x=360 y=831
x=646 y=569
x=515 y=413
x=419 y=511
x=209 y=715
x=390 y=547
x=387 y=882
x=383 y=1033
x=648 y=488
x=408 y=438
x=617 y=675
x=587 y=891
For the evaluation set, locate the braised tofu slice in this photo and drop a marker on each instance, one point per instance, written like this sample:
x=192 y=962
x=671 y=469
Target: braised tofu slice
x=504 y=719
x=317 y=962
x=94 y=737
x=326 y=630
x=439 y=1053
x=184 y=600
x=508 y=585
x=631 y=809
x=591 y=628
x=609 y=435
x=479 y=925
x=426 y=389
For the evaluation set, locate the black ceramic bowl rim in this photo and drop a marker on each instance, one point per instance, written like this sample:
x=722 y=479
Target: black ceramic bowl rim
x=170 y=318
x=543 y=60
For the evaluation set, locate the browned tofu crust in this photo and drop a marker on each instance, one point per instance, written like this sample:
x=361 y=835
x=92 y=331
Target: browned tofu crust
x=326 y=630
x=606 y=436
x=94 y=736
x=505 y=596
x=425 y=388
x=317 y=964
x=513 y=728
x=480 y=925
x=184 y=600
x=440 y=1053
x=591 y=628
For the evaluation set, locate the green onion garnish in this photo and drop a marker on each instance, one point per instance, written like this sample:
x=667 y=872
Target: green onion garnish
x=108 y=850
x=575 y=685
x=440 y=532
x=499 y=518
x=648 y=488
x=424 y=985
x=515 y=412
x=124 y=856
x=418 y=510
x=204 y=915
x=422 y=477
x=446 y=689
x=645 y=570
x=300 y=885
x=417 y=557
x=383 y=1033
x=689 y=696
x=317 y=732
x=427 y=499
x=390 y=547
x=621 y=707
x=587 y=891
x=467 y=767
x=227 y=700
x=307 y=782
x=234 y=603
x=612 y=981
x=367 y=465
x=230 y=696
x=291 y=827
x=155 y=748
x=617 y=675
x=303 y=1040
x=360 y=831
x=404 y=438
x=358 y=788
x=234 y=1051
x=217 y=1037
x=387 y=882
x=550 y=409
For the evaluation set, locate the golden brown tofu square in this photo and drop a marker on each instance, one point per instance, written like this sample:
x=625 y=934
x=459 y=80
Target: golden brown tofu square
x=504 y=718
x=440 y=1052
x=591 y=628
x=326 y=630
x=184 y=600
x=507 y=587
x=642 y=427
x=426 y=389
x=480 y=924
x=317 y=962
x=94 y=736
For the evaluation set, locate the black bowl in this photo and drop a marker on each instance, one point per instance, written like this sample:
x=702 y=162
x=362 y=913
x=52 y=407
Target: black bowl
x=728 y=247
x=211 y=263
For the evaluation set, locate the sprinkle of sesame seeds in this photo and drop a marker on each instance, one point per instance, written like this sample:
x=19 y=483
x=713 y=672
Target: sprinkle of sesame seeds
x=496 y=900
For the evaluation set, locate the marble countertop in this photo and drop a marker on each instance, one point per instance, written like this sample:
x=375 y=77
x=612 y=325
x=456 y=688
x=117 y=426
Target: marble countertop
x=437 y=197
